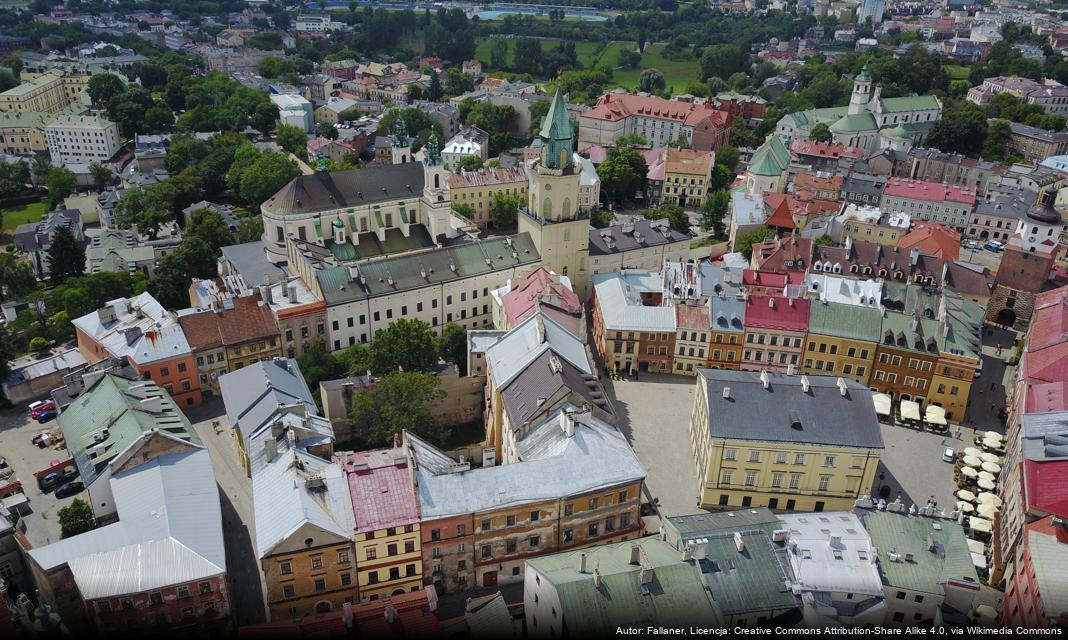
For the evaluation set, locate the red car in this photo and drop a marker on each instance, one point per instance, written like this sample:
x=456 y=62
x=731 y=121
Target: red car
x=41 y=408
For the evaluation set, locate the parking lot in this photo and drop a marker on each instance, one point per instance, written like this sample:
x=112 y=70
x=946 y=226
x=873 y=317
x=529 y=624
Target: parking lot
x=654 y=415
x=912 y=465
x=16 y=432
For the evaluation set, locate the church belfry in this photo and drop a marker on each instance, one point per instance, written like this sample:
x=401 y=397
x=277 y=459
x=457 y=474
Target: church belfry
x=552 y=217
x=858 y=101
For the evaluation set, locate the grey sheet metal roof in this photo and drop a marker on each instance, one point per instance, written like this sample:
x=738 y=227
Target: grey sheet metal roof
x=1051 y=570
x=64 y=361
x=253 y=394
x=907 y=534
x=820 y=569
x=413 y=271
x=619 y=300
x=349 y=188
x=169 y=531
x=539 y=333
x=250 y=260
x=541 y=381
x=1045 y=436
x=638 y=234
x=826 y=417
x=552 y=465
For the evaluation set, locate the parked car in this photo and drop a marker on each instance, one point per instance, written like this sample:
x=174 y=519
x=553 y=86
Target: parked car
x=44 y=407
x=973 y=244
x=49 y=481
x=46 y=415
x=71 y=473
x=34 y=406
x=69 y=489
x=948 y=454
x=994 y=246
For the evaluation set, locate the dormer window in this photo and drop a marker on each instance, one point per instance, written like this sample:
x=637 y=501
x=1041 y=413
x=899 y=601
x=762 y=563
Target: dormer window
x=817 y=267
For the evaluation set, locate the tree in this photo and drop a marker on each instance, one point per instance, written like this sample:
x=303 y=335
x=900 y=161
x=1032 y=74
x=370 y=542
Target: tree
x=77 y=517
x=651 y=81
x=17 y=277
x=60 y=184
x=713 y=212
x=724 y=60
x=464 y=210
x=632 y=140
x=66 y=256
x=249 y=229
x=103 y=88
x=14 y=176
x=458 y=82
x=629 y=58
x=622 y=174
x=210 y=227
x=398 y=402
x=146 y=207
x=317 y=364
x=601 y=218
x=744 y=242
x=269 y=173
x=728 y=157
x=498 y=54
x=504 y=210
x=820 y=133
x=676 y=217
x=102 y=175
x=326 y=130
x=998 y=134
x=453 y=346
x=960 y=130
x=194 y=258
x=405 y=344
x=469 y=163
x=39 y=344
x=292 y=139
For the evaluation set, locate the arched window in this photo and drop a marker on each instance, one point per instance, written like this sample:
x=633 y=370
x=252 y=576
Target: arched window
x=566 y=210
x=437 y=181
x=546 y=209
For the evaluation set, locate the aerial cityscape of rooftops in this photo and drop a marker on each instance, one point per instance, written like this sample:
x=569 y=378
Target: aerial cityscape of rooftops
x=411 y=319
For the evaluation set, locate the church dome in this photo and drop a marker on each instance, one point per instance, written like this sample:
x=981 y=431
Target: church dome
x=897 y=133
x=864 y=75
x=1043 y=210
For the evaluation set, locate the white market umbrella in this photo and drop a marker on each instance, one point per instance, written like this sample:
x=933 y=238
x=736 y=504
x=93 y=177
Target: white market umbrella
x=882 y=403
x=992 y=467
x=969 y=471
x=972 y=461
x=966 y=507
x=992 y=435
x=935 y=415
x=986 y=456
x=986 y=484
x=966 y=495
x=988 y=511
x=989 y=498
x=910 y=410
x=978 y=524
x=972 y=451
x=986 y=475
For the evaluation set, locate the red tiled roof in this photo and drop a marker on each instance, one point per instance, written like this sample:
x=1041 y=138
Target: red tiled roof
x=692 y=317
x=933 y=239
x=1049 y=323
x=776 y=312
x=413 y=616
x=521 y=302
x=782 y=217
x=616 y=106
x=928 y=191
x=819 y=183
x=382 y=493
x=755 y=277
x=1046 y=486
x=247 y=320
x=825 y=150
x=1046 y=397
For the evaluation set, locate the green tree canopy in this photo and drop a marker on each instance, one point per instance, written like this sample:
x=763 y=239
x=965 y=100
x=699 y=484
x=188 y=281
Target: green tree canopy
x=676 y=217
x=60 y=183
x=398 y=402
x=453 y=346
x=405 y=344
x=820 y=132
x=714 y=211
x=292 y=139
x=504 y=210
x=77 y=517
x=651 y=81
x=66 y=256
x=622 y=174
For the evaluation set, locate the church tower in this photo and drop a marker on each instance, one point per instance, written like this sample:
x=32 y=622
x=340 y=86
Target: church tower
x=402 y=144
x=552 y=218
x=436 y=209
x=858 y=102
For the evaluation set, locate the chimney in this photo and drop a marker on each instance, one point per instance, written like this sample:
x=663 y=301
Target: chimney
x=582 y=563
x=687 y=553
x=596 y=579
x=292 y=293
x=646 y=575
x=152 y=404
x=842 y=386
x=635 y=554
x=271 y=448
x=390 y=613
x=346 y=614
x=765 y=379
x=132 y=334
x=567 y=422
x=727 y=393
x=805 y=384
x=739 y=542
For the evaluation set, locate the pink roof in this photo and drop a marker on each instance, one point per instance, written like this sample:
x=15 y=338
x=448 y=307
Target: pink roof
x=751 y=277
x=382 y=494
x=1046 y=397
x=776 y=312
x=521 y=302
x=1046 y=486
x=692 y=317
x=928 y=191
x=617 y=106
x=1049 y=324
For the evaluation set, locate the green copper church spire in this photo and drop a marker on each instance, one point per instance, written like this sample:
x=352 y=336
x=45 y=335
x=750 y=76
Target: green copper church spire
x=557 y=136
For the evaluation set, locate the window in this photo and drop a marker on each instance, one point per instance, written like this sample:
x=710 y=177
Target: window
x=795 y=480
x=285 y=568
x=155 y=598
x=730 y=454
x=593 y=503
x=346 y=579
x=486 y=524
x=569 y=509
x=799 y=458
x=461 y=529
x=727 y=476
x=754 y=456
x=534 y=516
x=593 y=529
x=776 y=480
x=372 y=577
x=828 y=461
x=183 y=592
x=780 y=458
x=900 y=595
x=487 y=551
x=391 y=550
x=372 y=553
x=317 y=562
x=825 y=482
x=204 y=587
x=409 y=569
x=535 y=541
x=919 y=598
x=181 y=367
x=624 y=520
x=394 y=573
x=435 y=534
x=164 y=371
x=750 y=478
x=409 y=546
x=511 y=521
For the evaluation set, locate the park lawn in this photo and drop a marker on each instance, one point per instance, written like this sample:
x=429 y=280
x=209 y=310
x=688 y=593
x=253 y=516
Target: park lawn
x=12 y=217
x=957 y=72
x=676 y=72
x=584 y=51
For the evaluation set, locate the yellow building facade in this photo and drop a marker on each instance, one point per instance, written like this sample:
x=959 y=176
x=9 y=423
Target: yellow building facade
x=478 y=189
x=951 y=384
x=304 y=581
x=22 y=133
x=49 y=92
x=775 y=467
x=687 y=174
x=390 y=561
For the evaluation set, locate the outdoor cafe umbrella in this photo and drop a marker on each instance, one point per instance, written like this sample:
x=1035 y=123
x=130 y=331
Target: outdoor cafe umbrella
x=986 y=484
x=966 y=495
x=987 y=511
x=986 y=456
x=986 y=475
x=972 y=461
x=882 y=403
x=935 y=416
x=992 y=467
x=978 y=524
x=966 y=507
x=969 y=471
x=992 y=435
x=972 y=451
x=989 y=498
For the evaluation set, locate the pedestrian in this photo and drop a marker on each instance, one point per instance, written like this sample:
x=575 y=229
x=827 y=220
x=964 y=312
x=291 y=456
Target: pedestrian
x=993 y=385
x=993 y=408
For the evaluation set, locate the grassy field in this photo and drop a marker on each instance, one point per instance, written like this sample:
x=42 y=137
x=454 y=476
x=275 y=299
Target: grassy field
x=676 y=72
x=14 y=216
x=957 y=72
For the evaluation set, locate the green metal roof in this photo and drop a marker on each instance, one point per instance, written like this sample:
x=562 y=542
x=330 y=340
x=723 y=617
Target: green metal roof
x=676 y=596
x=771 y=158
x=900 y=324
x=844 y=321
x=864 y=75
x=929 y=570
x=856 y=122
x=757 y=583
x=911 y=103
x=897 y=133
x=115 y=404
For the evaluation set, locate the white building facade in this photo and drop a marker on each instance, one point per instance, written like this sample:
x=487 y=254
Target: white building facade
x=81 y=139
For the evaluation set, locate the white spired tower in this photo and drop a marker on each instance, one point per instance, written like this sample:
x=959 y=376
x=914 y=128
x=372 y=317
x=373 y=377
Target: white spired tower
x=858 y=102
x=558 y=229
